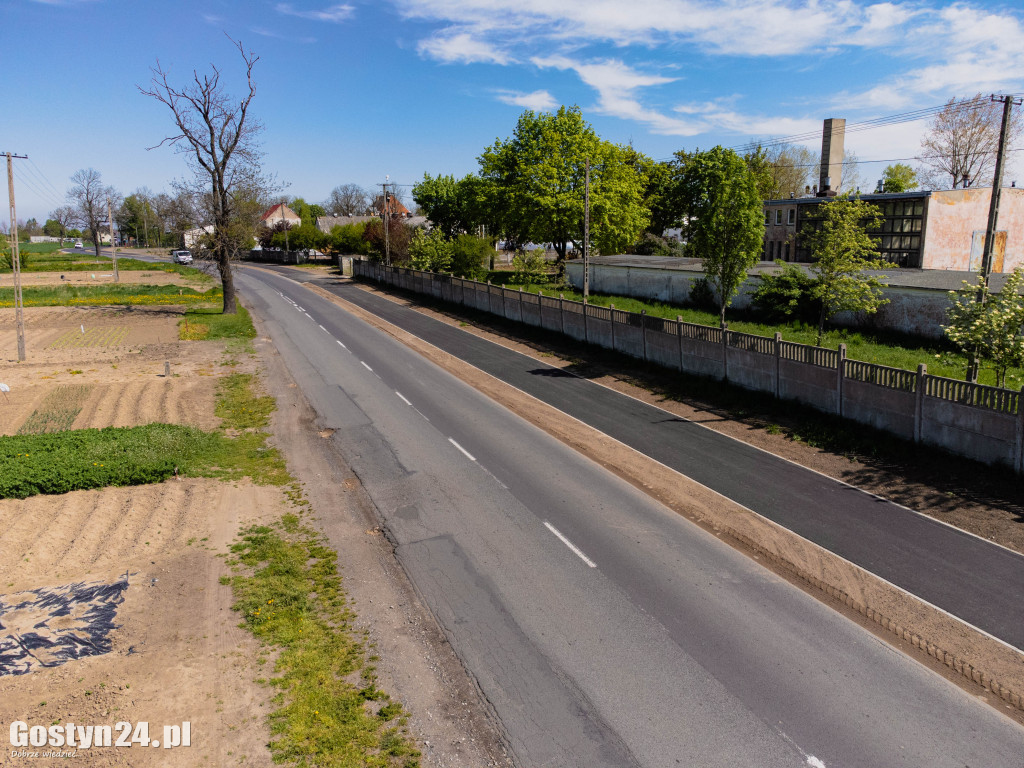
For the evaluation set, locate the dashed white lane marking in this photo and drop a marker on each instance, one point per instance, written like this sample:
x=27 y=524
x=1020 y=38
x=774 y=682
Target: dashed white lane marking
x=341 y=345
x=322 y=328
x=814 y=762
x=467 y=453
x=576 y=550
x=301 y=309
x=367 y=367
x=402 y=398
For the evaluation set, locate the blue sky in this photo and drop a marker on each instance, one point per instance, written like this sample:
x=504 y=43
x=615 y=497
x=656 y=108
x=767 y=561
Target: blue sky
x=351 y=91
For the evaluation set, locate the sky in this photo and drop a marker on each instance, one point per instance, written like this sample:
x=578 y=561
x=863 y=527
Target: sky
x=350 y=92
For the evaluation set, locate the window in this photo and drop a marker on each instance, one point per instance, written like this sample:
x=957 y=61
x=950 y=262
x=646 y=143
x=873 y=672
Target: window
x=791 y=218
x=778 y=215
x=767 y=218
x=785 y=250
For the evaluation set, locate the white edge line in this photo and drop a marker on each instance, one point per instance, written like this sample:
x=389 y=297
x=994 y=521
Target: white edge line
x=576 y=550
x=366 y=366
x=402 y=398
x=464 y=451
x=885 y=581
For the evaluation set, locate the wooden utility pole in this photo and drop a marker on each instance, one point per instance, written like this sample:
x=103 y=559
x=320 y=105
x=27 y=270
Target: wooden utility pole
x=586 y=233
x=19 y=304
x=113 y=248
x=993 y=217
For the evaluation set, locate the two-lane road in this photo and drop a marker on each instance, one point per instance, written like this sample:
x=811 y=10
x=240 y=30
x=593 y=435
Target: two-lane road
x=603 y=629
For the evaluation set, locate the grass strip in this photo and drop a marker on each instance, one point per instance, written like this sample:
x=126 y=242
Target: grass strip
x=201 y=324
x=60 y=462
x=110 y=293
x=330 y=712
x=58 y=410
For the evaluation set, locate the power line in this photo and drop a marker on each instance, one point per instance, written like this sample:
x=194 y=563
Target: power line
x=33 y=187
x=42 y=176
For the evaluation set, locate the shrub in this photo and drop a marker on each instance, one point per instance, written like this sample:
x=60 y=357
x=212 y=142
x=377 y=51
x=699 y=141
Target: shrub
x=348 y=239
x=786 y=295
x=701 y=295
x=652 y=245
x=470 y=256
x=528 y=267
x=430 y=251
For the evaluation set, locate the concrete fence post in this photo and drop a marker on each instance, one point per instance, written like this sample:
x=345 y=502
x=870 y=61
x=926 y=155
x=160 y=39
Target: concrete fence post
x=778 y=364
x=586 y=326
x=922 y=373
x=840 y=377
x=643 y=330
x=611 y=311
x=561 y=312
x=521 y=304
x=725 y=352
x=679 y=334
x=1019 y=463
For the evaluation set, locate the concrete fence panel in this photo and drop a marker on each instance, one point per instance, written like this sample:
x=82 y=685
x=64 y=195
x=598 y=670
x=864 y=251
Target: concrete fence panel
x=551 y=314
x=628 y=336
x=663 y=342
x=530 y=308
x=574 y=324
x=879 y=396
x=600 y=329
x=750 y=361
x=974 y=420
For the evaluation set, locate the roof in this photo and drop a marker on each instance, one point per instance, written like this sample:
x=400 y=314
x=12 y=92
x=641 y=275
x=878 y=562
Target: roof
x=869 y=198
x=280 y=211
x=326 y=223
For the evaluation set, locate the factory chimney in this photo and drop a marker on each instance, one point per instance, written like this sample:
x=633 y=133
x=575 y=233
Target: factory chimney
x=832 y=138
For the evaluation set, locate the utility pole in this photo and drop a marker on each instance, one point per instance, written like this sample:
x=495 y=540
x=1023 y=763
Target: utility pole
x=113 y=248
x=19 y=304
x=586 y=233
x=386 y=216
x=993 y=216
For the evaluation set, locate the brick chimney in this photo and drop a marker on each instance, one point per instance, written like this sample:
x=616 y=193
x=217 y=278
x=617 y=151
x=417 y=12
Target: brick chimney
x=832 y=138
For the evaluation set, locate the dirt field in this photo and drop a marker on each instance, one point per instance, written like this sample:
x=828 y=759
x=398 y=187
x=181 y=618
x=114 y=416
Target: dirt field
x=118 y=356
x=176 y=652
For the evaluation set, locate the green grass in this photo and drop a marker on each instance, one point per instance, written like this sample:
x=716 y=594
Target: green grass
x=881 y=347
x=109 y=293
x=46 y=261
x=330 y=711
x=214 y=324
x=238 y=407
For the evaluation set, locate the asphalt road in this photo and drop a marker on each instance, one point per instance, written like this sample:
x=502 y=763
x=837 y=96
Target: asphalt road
x=603 y=629
x=973 y=579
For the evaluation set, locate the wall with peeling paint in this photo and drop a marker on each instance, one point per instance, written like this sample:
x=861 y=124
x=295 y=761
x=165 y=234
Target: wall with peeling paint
x=954 y=216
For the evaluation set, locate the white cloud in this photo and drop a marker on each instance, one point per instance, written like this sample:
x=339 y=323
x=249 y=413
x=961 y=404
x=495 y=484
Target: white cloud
x=538 y=101
x=277 y=36
x=462 y=48
x=334 y=13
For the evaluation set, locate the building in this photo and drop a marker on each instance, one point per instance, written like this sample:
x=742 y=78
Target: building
x=193 y=238
x=279 y=214
x=939 y=229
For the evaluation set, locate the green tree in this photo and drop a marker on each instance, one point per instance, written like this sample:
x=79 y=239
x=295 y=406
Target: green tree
x=430 y=251
x=399 y=236
x=453 y=206
x=899 y=177
x=538 y=177
x=989 y=325
x=52 y=228
x=726 y=220
x=470 y=256
x=347 y=239
x=841 y=252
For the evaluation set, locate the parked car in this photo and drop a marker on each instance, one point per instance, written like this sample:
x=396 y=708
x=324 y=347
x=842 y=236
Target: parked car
x=181 y=257
x=78 y=245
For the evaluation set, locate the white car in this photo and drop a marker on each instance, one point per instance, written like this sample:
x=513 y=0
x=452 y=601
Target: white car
x=78 y=245
x=181 y=257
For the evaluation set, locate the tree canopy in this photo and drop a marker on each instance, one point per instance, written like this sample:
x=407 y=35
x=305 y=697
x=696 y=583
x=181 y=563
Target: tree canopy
x=899 y=177
x=537 y=178
x=841 y=251
x=989 y=325
x=726 y=219
x=455 y=206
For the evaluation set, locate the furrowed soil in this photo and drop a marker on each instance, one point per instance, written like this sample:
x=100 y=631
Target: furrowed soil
x=177 y=652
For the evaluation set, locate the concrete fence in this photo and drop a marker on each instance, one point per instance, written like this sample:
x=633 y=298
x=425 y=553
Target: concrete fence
x=973 y=420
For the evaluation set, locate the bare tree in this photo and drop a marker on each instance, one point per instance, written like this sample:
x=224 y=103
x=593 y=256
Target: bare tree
x=65 y=218
x=961 y=143
x=89 y=197
x=219 y=138
x=347 y=200
x=789 y=166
